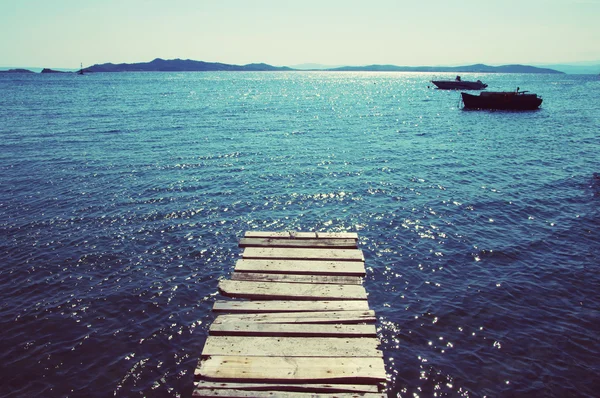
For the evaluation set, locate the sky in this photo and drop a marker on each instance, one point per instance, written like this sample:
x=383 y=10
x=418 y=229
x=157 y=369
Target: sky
x=65 y=33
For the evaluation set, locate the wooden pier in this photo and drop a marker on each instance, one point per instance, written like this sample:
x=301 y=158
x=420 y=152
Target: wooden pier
x=299 y=324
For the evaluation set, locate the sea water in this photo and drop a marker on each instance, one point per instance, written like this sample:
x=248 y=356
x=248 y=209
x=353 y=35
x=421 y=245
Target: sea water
x=123 y=197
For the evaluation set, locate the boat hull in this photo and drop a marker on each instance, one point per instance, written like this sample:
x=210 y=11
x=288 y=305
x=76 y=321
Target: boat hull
x=502 y=101
x=458 y=85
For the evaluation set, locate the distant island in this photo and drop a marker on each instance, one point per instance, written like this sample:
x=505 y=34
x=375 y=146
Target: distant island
x=179 y=65
x=47 y=70
x=477 y=68
x=187 y=65
x=183 y=65
x=16 y=71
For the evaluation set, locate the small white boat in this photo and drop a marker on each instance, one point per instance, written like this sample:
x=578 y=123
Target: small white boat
x=459 y=84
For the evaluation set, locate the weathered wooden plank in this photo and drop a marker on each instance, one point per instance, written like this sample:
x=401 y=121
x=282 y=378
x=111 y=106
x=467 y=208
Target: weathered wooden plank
x=301 y=235
x=346 y=317
x=267 y=234
x=314 y=388
x=299 y=243
x=303 y=254
x=289 y=306
x=293 y=278
x=233 y=393
x=291 y=291
x=349 y=268
x=291 y=346
x=249 y=328
x=337 y=235
x=292 y=369
x=281 y=235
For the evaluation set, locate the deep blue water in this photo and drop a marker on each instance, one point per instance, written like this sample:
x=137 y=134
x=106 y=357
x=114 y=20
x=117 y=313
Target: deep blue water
x=123 y=197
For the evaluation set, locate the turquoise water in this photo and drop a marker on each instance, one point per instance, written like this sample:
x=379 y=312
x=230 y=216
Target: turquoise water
x=124 y=195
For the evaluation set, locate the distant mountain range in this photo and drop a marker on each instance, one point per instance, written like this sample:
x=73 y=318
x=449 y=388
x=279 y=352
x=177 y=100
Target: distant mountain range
x=187 y=65
x=477 y=68
x=182 y=65
x=179 y=65
x=576 y=69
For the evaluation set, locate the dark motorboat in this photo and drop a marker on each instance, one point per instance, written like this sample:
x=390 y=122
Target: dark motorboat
x=513 y=100
x=459 y=84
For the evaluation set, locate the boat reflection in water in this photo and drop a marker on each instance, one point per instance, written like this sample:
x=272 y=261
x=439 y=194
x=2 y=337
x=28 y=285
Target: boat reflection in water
x=509 y=100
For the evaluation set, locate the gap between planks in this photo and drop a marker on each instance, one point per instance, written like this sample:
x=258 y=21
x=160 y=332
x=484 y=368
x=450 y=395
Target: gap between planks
x=227 y=393
x=250 y=328
x=314 y=388
x=330 y=317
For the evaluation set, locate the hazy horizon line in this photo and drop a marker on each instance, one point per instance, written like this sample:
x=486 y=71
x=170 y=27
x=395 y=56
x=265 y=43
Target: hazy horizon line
x=317 y=65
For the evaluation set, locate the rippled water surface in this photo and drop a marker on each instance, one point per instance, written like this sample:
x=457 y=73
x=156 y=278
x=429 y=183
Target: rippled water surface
x=124 y=195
